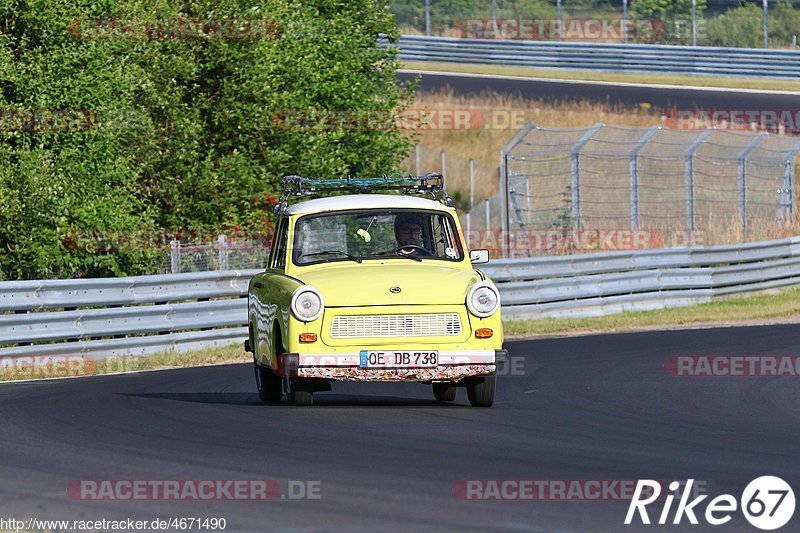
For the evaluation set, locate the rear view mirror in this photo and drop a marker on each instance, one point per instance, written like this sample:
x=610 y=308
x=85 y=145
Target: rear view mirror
x=479 y=257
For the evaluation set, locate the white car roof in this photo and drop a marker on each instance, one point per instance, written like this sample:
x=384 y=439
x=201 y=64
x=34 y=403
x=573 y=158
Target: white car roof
x=365 y=201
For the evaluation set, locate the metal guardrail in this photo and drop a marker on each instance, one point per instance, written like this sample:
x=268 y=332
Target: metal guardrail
x=99 y=318
x=606 y=283
x=109 y=317
x=693 y=60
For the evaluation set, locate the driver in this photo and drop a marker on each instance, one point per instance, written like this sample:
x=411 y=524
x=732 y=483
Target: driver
x=408 y=230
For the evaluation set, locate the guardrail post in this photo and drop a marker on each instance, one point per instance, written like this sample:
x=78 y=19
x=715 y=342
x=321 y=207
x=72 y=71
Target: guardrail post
x=222 y=251
x=175 y=257
x=688 y=164
x=504 y=177
x=743 y=178
x=786 y=209
x=575 y=153
x=633 y=168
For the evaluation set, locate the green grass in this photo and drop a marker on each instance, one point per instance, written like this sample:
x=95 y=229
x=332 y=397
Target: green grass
x=758 y=308
x=664 y=79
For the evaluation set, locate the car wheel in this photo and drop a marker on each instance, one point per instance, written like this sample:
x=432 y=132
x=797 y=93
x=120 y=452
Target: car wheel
x=270 y=388
x=480 y=391
x=301 y=392
x=445 y=392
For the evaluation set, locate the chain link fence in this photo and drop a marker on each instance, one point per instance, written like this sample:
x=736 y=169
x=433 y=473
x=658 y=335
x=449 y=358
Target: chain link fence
x=610 y=187
x=729 y=23
x=225 y=254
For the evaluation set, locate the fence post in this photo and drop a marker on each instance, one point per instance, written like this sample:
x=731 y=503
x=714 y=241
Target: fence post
x=743 y=178
x=688 y=165
x=488 y=216
x=576 y=172
x=222 y=251
x=416 y=158
x=787 y=193
x=625 y=21
x=175 y=257
x=633 y=168
x=503 y=177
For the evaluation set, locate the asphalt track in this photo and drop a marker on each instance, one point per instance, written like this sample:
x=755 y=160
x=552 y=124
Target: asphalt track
x=388 y=456
x=662 y=98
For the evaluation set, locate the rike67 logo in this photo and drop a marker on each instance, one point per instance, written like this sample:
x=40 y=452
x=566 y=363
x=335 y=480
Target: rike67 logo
x=767 y=503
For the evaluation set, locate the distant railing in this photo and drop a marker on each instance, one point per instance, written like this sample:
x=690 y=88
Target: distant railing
x=664 y=59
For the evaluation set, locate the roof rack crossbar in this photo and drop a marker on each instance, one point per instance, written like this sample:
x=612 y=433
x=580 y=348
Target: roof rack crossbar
x=297 y=186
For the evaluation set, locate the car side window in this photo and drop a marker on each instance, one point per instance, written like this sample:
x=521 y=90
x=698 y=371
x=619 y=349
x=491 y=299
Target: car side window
x=278 y=259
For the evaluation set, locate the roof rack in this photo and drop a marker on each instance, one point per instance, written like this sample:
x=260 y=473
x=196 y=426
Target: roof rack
x=431 y=183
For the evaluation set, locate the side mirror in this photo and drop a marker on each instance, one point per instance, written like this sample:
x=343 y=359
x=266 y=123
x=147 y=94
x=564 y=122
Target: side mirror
x=478 y=257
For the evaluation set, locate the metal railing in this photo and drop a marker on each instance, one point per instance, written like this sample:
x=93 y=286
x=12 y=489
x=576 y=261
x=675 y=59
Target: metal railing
x=665 y=59
x=109 y=317
x=179 y=312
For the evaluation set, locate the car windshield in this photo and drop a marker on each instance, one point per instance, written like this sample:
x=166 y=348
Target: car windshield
x=376 y=234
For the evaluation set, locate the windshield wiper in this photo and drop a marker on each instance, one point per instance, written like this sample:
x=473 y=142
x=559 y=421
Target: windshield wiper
x=335 y=252
x=389 y=255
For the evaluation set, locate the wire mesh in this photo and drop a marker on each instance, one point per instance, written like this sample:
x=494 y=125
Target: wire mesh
x=675 y=184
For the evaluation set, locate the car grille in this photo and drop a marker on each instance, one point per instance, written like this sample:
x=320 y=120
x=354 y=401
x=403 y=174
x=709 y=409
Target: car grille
x=422 y=325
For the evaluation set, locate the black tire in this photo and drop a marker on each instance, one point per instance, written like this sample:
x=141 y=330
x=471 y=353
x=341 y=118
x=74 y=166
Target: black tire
x=445 y=392
x=270 y=386
x=480 y=391
x=301 y=393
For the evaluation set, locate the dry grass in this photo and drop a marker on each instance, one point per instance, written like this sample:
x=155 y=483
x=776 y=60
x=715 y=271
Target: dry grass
x=508 y=114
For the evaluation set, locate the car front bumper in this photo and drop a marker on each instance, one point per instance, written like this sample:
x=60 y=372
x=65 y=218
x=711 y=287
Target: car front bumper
x=452 y=366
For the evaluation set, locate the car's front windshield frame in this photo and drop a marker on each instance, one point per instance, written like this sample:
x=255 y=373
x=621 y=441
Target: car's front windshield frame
x=379 y=211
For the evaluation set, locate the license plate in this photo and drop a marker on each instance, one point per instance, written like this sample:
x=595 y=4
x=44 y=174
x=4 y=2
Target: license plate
x=398 y=359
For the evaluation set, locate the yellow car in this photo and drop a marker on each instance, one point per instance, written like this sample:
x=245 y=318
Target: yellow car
x=370 y=286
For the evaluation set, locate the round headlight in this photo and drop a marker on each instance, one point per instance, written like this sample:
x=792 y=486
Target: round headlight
x=306 y=303
x=483 y=300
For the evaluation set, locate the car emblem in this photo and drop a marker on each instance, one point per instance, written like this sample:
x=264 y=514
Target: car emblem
x=395 y=290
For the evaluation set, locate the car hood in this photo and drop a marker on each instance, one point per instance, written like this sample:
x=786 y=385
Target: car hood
x=347 y=284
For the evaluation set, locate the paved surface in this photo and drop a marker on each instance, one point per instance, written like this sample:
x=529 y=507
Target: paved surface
x=388 y=456
x=661 y=98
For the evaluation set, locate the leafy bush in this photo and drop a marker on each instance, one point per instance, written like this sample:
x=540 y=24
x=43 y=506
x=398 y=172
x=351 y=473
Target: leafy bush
x=182 y=133
x=743 y=27
x=673 y=18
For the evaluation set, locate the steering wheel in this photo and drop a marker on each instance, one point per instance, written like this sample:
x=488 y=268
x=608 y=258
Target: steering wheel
x=411 y=249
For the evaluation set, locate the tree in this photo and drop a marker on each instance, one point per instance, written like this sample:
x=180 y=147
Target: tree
x=182 y=132
x=671 y=18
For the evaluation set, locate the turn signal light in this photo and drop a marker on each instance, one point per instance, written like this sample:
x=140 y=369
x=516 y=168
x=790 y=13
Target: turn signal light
x=308 y=337
x=483 y=333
